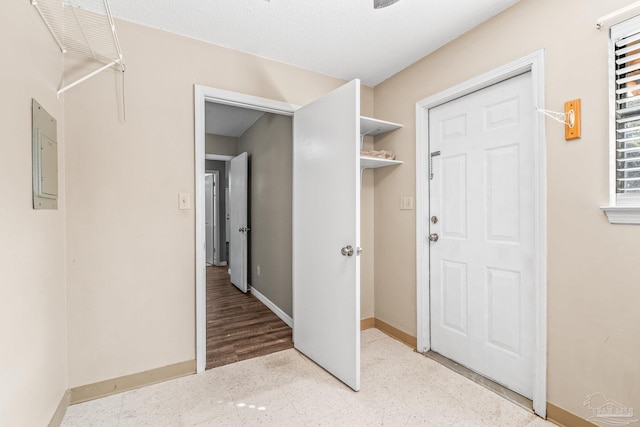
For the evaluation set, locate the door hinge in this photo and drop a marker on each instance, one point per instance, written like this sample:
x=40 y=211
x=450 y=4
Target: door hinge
x=433 y=154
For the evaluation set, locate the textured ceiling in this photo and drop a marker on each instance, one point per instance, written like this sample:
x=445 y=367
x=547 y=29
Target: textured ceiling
x=343 y=38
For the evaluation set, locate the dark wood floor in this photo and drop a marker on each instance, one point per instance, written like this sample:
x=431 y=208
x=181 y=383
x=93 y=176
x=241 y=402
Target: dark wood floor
x=239 y=326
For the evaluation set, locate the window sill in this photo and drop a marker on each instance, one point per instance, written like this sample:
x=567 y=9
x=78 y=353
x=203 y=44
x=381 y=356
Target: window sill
x=622 y=214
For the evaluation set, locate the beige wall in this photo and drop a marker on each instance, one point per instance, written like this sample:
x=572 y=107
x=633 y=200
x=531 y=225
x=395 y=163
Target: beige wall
x=593 y=317
x=33 y=355
x=223 y=145
x=269 y=143
x=131 y=284
x=367 y=295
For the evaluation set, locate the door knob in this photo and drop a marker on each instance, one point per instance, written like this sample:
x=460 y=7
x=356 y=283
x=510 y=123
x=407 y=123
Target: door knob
x=347 y=250
x=433 y=237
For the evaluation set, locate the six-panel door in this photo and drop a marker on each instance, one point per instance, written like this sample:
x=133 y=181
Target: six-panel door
x=482 y=265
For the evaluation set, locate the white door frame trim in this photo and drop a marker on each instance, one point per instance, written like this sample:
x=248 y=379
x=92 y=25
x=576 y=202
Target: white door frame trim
x=204 y=94
x=212 y=173
x=535 y=64
x=218 y=157
x=216 y=218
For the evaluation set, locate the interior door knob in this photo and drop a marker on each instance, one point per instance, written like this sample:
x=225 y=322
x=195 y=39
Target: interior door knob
x=433 y=237
x=347 y=250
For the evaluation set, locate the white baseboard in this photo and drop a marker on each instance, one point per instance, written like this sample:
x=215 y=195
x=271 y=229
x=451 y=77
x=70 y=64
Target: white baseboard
x=278 y=312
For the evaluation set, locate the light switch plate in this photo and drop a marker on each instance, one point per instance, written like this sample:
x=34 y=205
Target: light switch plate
x=184 y=201
x=406 y=203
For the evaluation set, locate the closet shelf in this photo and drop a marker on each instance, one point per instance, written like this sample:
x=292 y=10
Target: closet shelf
x=374 y=163
x=84 y=28
x=374 y=127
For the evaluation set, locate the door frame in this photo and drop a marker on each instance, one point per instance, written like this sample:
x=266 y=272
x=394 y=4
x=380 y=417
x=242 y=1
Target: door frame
x=216 y=218
x=214 y=180
x=216 y=204
x=204 y=94
x=533 y=63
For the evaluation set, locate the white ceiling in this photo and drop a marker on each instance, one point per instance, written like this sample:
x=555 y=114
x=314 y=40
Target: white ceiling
x=343 y=38
x=227 y=120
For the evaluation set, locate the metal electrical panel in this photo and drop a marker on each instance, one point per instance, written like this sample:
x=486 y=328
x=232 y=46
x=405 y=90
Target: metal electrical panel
x=45 y=158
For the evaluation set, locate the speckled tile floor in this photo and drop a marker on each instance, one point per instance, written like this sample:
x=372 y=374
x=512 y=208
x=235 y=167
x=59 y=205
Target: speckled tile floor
x=398 y=388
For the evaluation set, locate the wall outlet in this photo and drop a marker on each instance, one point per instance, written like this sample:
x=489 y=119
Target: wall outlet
x=184 y=201
x=258 y=270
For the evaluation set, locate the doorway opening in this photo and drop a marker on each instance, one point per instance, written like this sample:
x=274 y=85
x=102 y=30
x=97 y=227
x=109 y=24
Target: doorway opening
x=232 y=325
x=214 y=221
x=495 y=282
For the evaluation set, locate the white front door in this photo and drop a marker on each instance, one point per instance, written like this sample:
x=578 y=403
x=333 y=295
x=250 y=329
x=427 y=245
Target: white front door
x=482 y=211
x=208 y=215
x=238 y=173
x=326 y=220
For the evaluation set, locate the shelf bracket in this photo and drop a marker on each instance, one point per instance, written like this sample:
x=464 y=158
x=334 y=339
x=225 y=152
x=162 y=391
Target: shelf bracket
x=362 y=135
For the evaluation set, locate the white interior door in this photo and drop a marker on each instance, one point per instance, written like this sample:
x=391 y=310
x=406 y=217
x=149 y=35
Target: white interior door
x=208 y=215
x=482 y=264
x=238 y=173
x=326 y=219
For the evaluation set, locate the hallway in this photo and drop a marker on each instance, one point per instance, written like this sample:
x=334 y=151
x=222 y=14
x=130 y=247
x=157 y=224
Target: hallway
x=239 y=326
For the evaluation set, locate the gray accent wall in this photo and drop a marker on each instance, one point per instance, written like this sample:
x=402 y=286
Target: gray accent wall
x=269 y=143
x=223 y=145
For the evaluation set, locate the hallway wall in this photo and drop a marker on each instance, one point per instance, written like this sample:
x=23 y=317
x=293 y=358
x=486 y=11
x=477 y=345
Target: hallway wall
x=269 y=143
x=33 y=355
x=223 y=145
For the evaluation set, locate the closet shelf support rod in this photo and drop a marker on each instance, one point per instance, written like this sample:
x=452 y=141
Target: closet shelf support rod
x=88 y=76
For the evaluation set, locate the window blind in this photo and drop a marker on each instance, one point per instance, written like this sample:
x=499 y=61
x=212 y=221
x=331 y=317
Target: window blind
x=627 y=114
